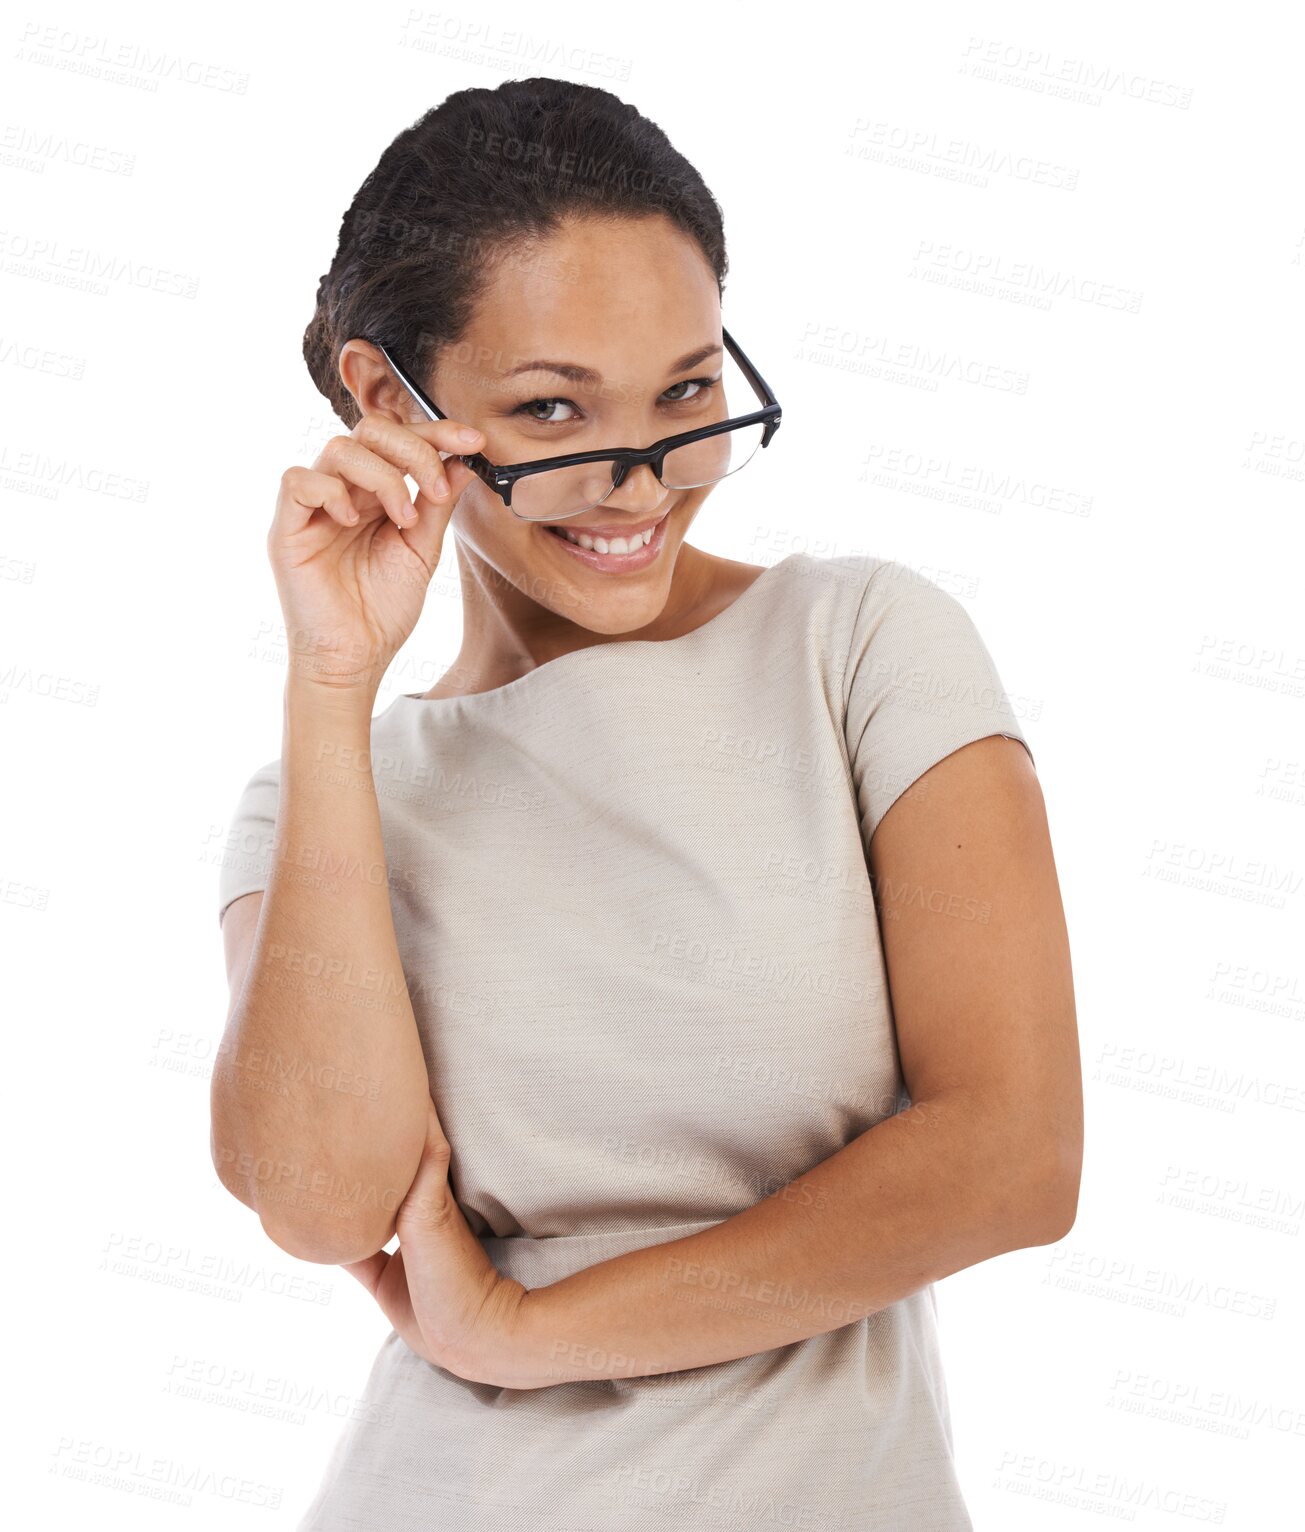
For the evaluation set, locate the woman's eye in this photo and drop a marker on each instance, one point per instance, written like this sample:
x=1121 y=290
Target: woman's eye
x=541 y=410
x=699 y=383
x=528 y=408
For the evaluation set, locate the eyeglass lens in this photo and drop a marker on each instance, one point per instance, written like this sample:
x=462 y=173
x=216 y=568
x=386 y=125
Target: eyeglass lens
x=559 y=492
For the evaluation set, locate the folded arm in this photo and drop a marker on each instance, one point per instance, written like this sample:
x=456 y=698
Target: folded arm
x=986 y=1160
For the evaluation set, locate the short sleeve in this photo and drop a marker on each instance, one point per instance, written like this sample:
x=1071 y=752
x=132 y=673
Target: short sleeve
x=920 y=683
x=247 y=849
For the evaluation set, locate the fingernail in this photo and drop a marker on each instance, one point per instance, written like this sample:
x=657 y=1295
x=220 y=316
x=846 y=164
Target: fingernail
x=468 y=434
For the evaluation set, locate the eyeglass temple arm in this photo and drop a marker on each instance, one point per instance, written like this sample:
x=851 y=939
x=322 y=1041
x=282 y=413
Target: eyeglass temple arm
x=754 y=377
x=431 y=408
x=496 y=476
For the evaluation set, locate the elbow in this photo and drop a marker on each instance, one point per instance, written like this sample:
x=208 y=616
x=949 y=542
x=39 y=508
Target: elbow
x=335 y=1234
x=1052 y=1198
x=229 y=1174
x=1058 y=1218
x=327 y=1241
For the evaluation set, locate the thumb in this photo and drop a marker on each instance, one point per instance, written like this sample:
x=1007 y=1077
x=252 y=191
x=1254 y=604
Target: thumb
x=426 y=538
x=429 y=1201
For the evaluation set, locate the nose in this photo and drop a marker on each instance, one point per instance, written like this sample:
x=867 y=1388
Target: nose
x=639 y=492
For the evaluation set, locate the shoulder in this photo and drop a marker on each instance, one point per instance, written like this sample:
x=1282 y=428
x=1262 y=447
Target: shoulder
x=822 y=606
x=843 y=581
x=919 y=681
x=905 y=618
x=830 y=587
x=261 y=783
x=866 y=611
x=887 y=582
x=843 y=597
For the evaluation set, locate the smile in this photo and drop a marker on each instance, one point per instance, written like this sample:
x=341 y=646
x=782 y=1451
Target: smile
x=608 y=545
x=613 y=554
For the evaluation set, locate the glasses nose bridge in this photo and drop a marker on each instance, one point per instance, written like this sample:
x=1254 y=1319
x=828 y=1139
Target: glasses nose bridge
x=623 y=467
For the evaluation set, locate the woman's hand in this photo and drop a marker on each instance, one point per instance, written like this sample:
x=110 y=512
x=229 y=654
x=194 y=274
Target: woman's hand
x=351 y=556
x=440 y=1290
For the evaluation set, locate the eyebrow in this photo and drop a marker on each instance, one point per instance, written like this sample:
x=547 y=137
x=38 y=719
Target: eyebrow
x=577 y=374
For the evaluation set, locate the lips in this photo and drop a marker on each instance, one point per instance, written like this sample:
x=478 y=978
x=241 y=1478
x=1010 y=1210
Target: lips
x=620 y=529
x=630 y=542
x=640 y=557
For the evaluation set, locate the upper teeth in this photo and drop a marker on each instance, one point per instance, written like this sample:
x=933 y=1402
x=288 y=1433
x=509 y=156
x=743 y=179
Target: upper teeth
x=608 y=545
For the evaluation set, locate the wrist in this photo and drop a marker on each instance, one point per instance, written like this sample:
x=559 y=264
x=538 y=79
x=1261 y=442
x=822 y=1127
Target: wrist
x=352 y=696
x=521 y=1353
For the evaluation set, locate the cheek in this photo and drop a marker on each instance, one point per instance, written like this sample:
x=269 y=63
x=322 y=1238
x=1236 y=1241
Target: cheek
x=488 y=527
x=481 y=517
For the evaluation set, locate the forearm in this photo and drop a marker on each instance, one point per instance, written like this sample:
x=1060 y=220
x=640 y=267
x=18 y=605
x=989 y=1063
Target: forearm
x=934 y=1189
x=319 y=1096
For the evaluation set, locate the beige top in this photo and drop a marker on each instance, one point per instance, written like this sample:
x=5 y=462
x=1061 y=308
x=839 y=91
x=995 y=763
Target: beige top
x=631 y=896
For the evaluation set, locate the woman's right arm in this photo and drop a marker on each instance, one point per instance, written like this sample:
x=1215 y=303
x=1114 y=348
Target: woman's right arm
x=319 y=1102
x=320 y=1096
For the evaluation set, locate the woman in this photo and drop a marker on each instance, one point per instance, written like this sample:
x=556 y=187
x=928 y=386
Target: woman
x=573 y=970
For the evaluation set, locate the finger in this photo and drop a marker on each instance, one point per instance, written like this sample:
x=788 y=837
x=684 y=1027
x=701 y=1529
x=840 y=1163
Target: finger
x=426 y=535
x=395 y=1302
x=436 y=1142
x=415 y=448
x=452 y=1260
x=370 y=1271
x=307 y=490
x=429 y=1214
x=357 y=464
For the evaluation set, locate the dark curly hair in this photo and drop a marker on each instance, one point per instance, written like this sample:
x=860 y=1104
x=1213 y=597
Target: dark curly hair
x=474 y=180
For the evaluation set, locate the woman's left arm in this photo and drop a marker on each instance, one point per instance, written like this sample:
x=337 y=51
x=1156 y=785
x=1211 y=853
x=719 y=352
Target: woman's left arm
x=986 y=1159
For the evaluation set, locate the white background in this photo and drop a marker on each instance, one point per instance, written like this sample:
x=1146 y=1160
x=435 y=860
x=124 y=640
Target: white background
x=1028 y=283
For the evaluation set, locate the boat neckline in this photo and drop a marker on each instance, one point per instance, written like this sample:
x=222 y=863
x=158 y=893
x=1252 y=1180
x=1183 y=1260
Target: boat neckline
x=616 y=643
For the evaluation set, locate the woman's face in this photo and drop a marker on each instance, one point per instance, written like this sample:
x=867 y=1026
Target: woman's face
x=634 y=305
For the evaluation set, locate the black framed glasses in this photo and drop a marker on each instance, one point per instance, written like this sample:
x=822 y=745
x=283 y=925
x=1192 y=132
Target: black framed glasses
x=555 y=488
